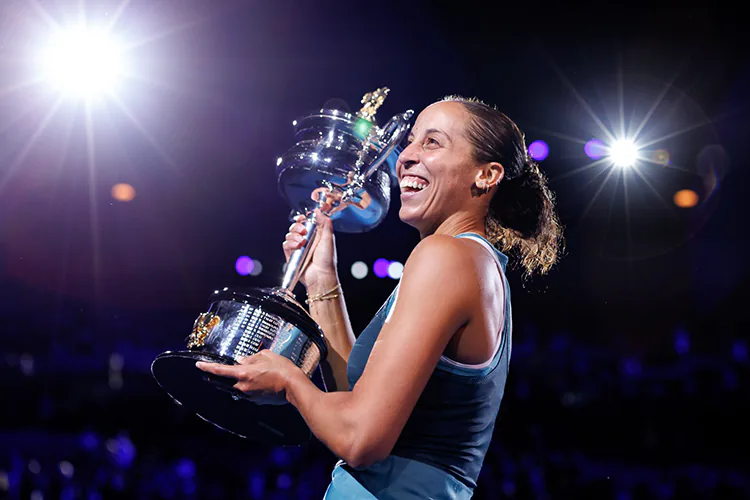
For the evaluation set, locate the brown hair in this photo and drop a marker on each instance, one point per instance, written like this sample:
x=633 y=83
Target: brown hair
x=522 y=217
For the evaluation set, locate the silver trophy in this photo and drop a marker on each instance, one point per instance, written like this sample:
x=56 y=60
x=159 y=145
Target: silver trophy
x=339 y=161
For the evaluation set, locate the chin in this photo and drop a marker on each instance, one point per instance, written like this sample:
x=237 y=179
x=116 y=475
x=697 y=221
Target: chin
x=410 y=218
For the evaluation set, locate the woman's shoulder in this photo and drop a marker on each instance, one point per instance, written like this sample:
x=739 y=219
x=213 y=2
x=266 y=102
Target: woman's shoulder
x=459 y=254
x=450 y=253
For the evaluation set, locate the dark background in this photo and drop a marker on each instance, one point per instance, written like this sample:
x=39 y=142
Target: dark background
x=629 y=374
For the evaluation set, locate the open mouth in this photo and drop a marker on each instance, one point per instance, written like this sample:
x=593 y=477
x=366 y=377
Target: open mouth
x=412 y=184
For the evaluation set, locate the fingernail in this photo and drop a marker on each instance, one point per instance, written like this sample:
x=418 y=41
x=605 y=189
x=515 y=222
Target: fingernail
x=198 y=364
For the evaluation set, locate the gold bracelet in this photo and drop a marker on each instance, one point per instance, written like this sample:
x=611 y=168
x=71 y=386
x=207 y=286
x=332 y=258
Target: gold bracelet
x=315 y=299
x=325 y=295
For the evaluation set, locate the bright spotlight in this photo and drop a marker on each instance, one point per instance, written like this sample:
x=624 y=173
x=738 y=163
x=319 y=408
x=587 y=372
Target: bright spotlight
x=623 y=153
x=83 y=61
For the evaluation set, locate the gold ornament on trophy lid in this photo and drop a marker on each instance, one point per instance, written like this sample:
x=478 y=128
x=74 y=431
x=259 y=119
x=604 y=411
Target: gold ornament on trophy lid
x=371 y=102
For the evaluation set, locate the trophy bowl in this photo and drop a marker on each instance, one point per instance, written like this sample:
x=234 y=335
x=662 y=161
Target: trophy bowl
x=329 y=143
x=335 y=164
x=237 y=324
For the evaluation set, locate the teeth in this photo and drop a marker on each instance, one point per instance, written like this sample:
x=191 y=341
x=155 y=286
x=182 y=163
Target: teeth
x=411 y=182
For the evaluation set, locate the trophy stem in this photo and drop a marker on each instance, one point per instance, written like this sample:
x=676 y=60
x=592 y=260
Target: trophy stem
x=298 y=259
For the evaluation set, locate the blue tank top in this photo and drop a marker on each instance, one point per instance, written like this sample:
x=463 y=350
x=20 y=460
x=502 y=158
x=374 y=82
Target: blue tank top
x=440 y=451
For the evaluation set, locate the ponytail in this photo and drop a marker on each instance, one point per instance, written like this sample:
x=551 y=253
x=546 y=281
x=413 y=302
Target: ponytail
x=522 y=220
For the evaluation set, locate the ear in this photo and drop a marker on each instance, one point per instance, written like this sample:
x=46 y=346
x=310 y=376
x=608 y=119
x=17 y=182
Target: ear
x=489 y=175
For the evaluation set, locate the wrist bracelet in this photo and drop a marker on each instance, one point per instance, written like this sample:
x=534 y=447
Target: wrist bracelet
x=324 y=296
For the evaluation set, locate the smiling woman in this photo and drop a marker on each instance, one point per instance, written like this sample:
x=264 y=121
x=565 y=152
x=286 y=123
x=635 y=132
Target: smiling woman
x=419 y=389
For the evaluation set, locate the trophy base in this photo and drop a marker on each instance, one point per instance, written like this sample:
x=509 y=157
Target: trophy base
x=214 y=399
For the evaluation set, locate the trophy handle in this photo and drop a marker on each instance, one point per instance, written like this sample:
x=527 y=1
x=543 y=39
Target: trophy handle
x=390 y=135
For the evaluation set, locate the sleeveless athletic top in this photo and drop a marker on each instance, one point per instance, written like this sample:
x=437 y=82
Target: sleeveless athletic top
x=440 y=451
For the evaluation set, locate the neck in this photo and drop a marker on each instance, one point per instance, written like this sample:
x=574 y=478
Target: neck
x=459 y=223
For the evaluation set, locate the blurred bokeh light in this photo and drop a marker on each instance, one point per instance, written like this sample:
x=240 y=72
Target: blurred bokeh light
x=686 y=198
x=538 y=150
x=359 y=270
x=595 y=149
x=380 y=268
x=123 y=192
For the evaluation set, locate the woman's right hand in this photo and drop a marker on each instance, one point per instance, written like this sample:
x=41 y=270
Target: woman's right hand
x=321 y=268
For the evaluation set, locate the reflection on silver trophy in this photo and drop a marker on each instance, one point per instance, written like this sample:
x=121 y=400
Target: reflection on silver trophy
x=340 y=161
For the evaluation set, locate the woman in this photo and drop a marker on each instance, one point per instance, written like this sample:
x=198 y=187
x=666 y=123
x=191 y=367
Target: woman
x=419 y=389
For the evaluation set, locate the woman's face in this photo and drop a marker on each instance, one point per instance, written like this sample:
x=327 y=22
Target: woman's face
x=436 y=170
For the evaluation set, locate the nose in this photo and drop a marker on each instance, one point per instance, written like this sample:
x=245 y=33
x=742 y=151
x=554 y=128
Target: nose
x=409 y=156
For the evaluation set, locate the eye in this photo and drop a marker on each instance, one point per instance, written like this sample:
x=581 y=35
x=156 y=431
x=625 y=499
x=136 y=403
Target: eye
x=431 y=141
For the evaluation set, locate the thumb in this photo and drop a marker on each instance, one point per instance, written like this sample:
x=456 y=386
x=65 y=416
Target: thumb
x=325 y=225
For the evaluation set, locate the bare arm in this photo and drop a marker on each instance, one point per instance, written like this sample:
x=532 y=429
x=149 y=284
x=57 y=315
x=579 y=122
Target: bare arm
x=362 y=426
x=333 y=318
x=320 y=276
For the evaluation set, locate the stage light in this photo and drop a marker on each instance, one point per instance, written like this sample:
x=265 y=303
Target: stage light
x=123 y=192
x=395 y=270
x=83 y=61
x=380 y=268
x=538 y=150
x=685 y=198
x=623 y=153
x=244 y=265
x=595 y=149
x=359 y=270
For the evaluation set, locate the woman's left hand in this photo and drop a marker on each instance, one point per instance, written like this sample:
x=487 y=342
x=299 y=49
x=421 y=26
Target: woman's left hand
x=265 y=372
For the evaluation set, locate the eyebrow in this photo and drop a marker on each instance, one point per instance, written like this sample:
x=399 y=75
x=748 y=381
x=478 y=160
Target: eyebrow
x=432 y=131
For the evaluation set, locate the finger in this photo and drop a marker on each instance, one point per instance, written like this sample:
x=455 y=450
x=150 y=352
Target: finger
x=322 y=219
x=219 y=369
x=290 y=247
x=247 y=360
x=297 y=228
x=293 y=239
